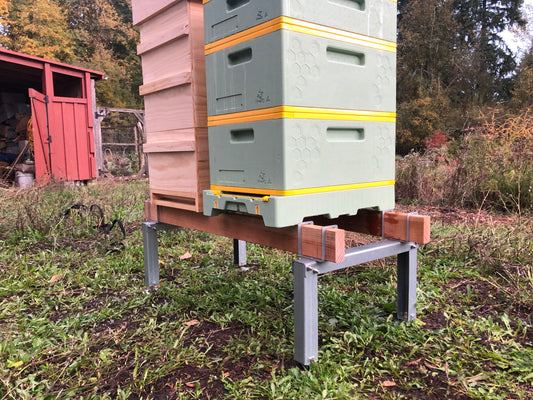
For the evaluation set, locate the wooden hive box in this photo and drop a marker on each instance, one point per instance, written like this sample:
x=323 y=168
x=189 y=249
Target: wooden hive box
x=173 y=64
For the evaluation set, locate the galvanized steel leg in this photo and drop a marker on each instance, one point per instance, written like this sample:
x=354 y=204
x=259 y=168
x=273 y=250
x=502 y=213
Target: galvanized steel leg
x=305 y=311
x=239 y=252
x=151 y=256
x=406 y=301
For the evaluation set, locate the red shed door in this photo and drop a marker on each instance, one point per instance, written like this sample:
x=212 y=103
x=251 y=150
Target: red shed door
x=63 y=138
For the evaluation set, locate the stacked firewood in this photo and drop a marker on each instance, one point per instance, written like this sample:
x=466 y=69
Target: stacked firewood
x=14 y=135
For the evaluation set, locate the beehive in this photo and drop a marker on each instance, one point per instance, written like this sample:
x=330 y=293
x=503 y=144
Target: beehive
x=301 y=113
x=173 y=64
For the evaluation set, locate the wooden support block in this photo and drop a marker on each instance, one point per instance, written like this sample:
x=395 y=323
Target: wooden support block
x=394 y=224
x=150 y=211
x=409 y=227
x=312 y=243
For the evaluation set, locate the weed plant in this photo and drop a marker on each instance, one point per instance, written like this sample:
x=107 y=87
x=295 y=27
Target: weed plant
x=76 y=321
x=490 y=166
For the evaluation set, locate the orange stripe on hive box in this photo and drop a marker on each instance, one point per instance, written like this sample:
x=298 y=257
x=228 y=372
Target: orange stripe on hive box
x=296 y=25
x=301 y=113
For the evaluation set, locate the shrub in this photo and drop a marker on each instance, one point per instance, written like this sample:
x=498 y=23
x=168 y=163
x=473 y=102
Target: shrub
x=492 y=167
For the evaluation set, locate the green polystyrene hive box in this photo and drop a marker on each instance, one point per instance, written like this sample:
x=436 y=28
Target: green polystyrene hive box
x=303 y=167
x=281 y=211
x=375 y=18
x=291 y=154
x=301 y=107
x=296 y=69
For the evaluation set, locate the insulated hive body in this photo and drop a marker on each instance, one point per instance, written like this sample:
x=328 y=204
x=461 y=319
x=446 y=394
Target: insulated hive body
x=291 y=155
x=372 y=18
x=301 y=107
x=291 y=68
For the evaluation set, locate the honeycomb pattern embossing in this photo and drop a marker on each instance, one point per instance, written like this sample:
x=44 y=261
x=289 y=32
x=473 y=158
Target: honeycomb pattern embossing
x=376 y=17
x=303 y=66
x=384 y=148
x=383 y=79
x=297 y=9
x=304 y=150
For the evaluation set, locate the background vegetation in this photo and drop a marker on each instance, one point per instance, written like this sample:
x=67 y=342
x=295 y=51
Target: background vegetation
x=490 y=166
x=453 y=65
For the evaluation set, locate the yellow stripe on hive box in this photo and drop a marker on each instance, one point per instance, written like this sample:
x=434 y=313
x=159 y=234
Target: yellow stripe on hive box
x=300 y=113
x=296 y=25
x=295 y=192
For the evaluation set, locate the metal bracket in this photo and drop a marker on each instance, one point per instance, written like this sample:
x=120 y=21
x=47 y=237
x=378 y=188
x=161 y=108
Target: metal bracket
x=324 y=240
x=383 y=222
x=300 y=236
x=407 y=225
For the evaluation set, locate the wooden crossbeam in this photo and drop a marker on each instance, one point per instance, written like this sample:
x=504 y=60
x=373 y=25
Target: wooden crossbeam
x=252 y=229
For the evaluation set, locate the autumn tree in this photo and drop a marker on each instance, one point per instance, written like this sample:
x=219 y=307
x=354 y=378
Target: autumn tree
x=105 y=39
x=3 y=15
x=427 y=69
x=36 y=27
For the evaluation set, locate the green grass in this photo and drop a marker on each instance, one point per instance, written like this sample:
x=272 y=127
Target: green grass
x=76 y=321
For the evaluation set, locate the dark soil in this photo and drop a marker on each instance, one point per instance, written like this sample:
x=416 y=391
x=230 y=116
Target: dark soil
x=207 y=383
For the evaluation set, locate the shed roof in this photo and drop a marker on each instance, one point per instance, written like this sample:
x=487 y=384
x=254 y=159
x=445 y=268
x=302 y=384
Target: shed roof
x=27 y=70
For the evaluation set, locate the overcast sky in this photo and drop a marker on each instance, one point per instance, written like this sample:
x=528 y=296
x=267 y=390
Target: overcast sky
x=517 y=44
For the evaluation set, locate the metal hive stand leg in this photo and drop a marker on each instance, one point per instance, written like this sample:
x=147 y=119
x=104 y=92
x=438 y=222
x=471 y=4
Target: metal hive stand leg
x=306 y=273
x=305 y=311
x=239 y=252
x=151 y=251
x=151 y=254
x=406 y=285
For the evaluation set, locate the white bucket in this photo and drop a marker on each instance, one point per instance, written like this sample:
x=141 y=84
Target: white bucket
x=24 y=180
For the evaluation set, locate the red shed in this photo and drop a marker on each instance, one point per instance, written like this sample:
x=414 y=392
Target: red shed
x=60 y=98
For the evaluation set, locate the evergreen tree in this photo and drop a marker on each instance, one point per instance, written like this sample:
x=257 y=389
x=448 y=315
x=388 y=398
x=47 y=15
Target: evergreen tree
x=451 y=60
x=489 y=63
x=523 y=89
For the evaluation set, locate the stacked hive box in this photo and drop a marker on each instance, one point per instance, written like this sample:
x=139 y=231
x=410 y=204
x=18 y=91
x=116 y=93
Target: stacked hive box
x=173 y=63
x=301 y=107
